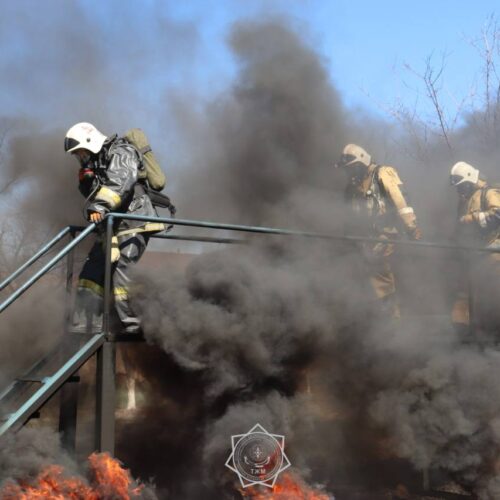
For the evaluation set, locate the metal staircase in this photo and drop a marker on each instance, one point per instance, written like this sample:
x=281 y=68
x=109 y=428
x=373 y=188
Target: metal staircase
x=25 y=396
x=29 y=392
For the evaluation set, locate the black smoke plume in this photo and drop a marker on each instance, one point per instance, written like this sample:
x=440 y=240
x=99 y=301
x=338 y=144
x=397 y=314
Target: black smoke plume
x=256 y=322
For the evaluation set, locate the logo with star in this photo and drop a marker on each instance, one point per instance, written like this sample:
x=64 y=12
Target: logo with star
x=257 y=457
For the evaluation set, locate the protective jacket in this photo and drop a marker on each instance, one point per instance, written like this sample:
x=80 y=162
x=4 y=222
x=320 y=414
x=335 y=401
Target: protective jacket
x=116 y=187
x=479 y=225
x=380 y=210
x=481 y=214
x=379 y=199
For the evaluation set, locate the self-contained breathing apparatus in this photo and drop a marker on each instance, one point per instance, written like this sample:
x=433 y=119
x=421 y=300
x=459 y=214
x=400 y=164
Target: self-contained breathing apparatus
x=373 y=205
x=150 y=176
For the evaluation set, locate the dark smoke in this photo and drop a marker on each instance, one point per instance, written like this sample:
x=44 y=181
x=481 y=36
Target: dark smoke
x=24 y=454
x=39 y=201
x=253 y=321
x=42 y=328
x=262 y=154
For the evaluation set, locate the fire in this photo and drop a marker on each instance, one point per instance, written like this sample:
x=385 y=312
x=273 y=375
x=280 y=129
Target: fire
x=288 y=487
x=107 y=479
x=113 y=480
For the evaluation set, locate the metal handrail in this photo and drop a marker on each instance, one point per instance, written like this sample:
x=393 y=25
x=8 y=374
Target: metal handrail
x=7 y=281
x=186 y=237
x=47 y=267
x=51 y=384
x=201 y=239
x=293 y=232
x=110 y=217
x=200 y=224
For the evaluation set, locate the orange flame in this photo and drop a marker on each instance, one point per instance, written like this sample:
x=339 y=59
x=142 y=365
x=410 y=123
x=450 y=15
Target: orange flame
x=287 y=487
x=111 y=477
x=108 y=479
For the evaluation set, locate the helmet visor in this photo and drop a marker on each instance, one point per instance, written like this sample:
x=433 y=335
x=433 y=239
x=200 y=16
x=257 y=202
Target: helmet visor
x=456 y=179
x=70 y=143
x=345 y=160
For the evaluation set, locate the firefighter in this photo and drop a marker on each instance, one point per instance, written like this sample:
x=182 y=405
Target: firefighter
x=379 y=209
x=108 y=179
x=478 y=222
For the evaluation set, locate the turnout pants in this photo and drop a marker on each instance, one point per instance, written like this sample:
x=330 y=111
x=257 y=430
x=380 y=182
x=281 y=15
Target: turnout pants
x=483 y=292
x=87 y=317
x=378 y=263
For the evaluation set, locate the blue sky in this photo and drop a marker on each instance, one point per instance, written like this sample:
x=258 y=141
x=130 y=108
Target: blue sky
x=365 y=46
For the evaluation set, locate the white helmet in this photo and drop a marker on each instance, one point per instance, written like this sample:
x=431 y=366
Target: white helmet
x=463 y=172
x=353 y=154
x=83 y=136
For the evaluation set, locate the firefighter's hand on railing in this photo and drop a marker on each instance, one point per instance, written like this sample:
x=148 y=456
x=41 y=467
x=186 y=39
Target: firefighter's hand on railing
x=96 y=217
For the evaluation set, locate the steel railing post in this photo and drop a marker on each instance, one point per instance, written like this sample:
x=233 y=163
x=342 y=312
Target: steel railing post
x=68 y=406
x=105 y=372
x=107 y=275
x=70 y=267
x=470 y=296
x=105 y=398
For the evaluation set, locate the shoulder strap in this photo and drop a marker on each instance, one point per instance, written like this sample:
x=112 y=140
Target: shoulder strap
x=484 y=194
x=376 y=172
x=376 y=178
x=124 y=141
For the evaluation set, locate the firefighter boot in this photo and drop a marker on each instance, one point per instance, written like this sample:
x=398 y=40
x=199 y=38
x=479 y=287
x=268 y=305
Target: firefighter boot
x=87 y=316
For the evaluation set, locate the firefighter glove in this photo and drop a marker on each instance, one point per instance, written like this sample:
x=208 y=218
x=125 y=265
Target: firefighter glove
x=467 y=219
x=96 y=217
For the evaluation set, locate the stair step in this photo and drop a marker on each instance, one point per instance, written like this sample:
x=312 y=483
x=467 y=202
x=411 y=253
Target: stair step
x=36 y=380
